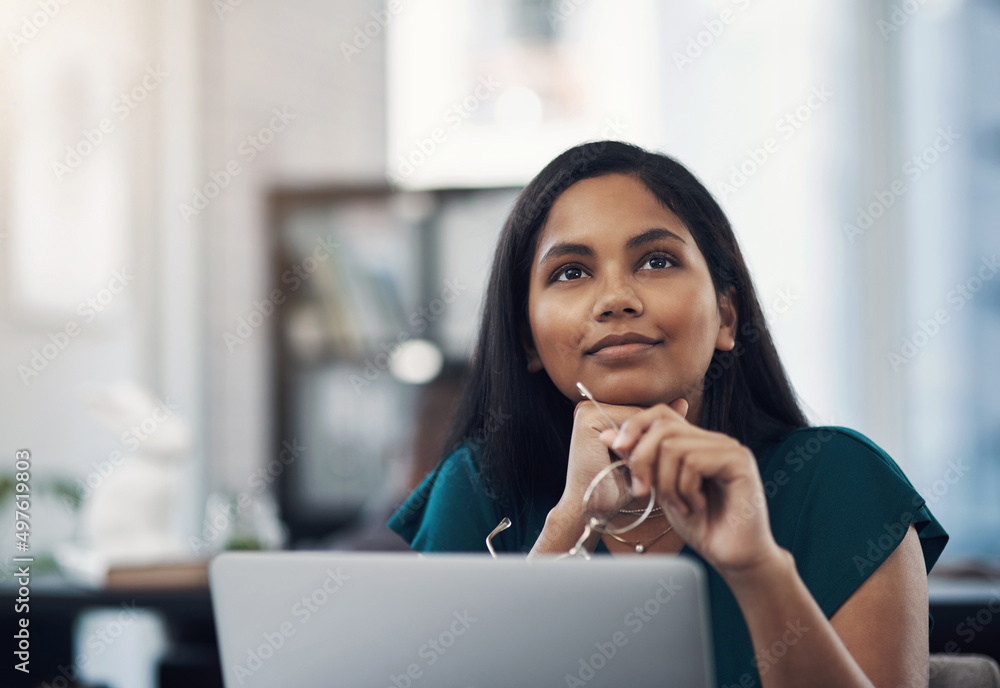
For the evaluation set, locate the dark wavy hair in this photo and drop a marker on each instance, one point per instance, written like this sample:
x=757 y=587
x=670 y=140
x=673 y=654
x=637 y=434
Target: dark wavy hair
x=521 y=420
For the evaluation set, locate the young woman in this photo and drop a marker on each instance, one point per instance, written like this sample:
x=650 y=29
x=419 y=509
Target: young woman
x=617 y=269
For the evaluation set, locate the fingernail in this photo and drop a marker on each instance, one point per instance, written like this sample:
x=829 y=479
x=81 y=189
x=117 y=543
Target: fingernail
x=619 y=441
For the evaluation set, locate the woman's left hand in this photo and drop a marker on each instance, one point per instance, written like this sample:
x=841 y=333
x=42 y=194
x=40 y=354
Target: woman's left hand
x=707 y=482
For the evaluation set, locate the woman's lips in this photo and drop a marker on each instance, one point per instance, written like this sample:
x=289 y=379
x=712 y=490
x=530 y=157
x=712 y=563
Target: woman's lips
x=622 y=351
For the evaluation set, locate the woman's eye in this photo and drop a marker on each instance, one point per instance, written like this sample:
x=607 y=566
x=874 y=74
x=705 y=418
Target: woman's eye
x=572 y=272
x=660 y=261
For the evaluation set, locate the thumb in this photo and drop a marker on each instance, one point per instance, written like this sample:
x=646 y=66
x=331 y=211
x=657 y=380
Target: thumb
x=680 y=405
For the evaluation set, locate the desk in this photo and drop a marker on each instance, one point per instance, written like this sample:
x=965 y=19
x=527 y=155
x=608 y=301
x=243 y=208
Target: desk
x=191 y=659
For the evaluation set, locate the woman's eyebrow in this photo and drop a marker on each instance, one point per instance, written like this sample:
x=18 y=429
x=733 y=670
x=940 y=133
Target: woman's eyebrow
x=649 y=236
x=570 y=249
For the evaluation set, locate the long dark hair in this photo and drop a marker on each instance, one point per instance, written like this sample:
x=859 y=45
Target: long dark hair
x=521 y=420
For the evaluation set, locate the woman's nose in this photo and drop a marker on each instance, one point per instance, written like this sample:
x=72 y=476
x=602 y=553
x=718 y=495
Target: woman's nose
x=616 y=297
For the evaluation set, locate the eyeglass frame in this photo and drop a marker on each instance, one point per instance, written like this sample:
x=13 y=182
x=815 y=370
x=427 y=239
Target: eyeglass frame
x=594 y=524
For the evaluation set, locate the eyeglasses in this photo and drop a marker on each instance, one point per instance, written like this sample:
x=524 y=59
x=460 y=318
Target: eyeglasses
x=621 y=479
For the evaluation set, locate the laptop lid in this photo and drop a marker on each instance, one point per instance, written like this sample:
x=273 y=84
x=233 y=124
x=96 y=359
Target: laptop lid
x=403 y=620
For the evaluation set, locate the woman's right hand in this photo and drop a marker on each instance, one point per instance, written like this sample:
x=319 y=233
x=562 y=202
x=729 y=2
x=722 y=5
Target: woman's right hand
x=587 y=457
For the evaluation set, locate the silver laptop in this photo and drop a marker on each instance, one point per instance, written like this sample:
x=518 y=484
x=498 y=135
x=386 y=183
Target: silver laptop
x=378 y=620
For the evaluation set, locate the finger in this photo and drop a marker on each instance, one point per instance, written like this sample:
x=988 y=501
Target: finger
x=689 y=484
x=673 y=455
x=631 y=429
x=680 y=406
x=721 y=462
x=643 y=457
x=607 y=436
x=634 y=427
x=667 y=467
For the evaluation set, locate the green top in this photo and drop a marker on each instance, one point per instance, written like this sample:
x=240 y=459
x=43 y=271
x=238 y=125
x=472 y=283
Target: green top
x=835 y=500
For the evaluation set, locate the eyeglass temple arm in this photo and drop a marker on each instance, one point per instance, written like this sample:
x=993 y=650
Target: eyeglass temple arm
x=578 y=548
x=586 y=392
x=504 y=525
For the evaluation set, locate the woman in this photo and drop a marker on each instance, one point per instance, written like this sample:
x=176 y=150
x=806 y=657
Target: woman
x=617 y=269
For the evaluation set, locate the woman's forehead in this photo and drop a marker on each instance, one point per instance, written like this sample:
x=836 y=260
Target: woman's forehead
x=607 y=210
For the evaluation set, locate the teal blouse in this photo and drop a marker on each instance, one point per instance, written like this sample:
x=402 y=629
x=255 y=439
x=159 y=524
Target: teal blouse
x=835 y=500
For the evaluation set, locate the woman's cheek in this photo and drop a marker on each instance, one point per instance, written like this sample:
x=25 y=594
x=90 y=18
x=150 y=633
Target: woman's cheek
x=553 y=330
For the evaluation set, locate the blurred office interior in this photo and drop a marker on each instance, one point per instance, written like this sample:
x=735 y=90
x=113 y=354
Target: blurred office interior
x=243 y=245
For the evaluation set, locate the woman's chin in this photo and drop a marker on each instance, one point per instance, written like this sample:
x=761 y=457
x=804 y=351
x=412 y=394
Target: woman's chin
x=619 y=396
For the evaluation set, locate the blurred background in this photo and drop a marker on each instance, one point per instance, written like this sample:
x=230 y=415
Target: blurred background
x=243 y=245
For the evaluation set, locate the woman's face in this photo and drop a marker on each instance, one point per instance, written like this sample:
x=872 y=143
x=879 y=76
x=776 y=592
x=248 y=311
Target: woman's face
x=611 y=260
